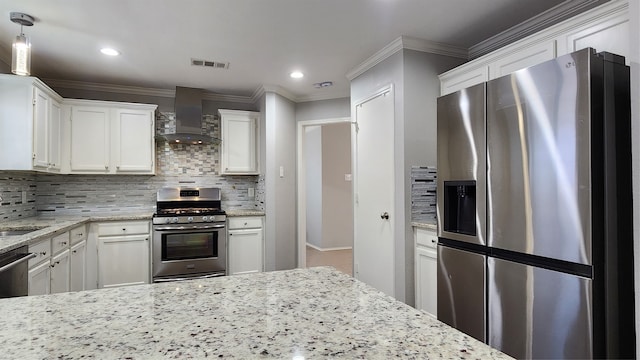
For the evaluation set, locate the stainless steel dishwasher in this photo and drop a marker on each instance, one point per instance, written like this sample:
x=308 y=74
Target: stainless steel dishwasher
x=14 y=272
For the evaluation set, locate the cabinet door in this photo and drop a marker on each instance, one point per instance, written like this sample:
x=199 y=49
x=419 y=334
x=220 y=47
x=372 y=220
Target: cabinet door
x=462 y=78
x=40 y=129
x=123 y=260
x=39 y=279
x=245 y=251
x=55 y=116
x=60 y=272
x=426 y=280
x=78 y=266
x=610 y=33
x=90 y=139
x=239 y=144
x=521 y=59
x=133 y=138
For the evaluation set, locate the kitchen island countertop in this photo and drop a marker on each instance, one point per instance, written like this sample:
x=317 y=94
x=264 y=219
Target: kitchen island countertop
x=302 y=313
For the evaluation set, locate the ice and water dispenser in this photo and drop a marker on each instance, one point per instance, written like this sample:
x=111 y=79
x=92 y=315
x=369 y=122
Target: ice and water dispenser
x=460 y=207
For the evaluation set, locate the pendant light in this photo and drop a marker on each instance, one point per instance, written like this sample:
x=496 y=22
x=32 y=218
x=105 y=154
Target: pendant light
x=21 y=49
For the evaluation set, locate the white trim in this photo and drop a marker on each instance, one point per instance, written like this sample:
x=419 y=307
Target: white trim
x=329 y=249
x=301 y=183
x=110 y=104
x=135 y=90
x=556 y=14
x=277 y=89
x=405 y=42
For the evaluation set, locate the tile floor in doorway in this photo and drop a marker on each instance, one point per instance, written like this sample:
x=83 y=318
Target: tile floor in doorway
x=342 y=260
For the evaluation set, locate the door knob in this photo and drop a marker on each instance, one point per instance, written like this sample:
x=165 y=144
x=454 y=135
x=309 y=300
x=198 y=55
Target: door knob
x=384 y=216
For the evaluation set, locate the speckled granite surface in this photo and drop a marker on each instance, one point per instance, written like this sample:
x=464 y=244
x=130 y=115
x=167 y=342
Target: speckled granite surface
x=243 y=212
x=311 y=313
x=51 y=226
x=423 y=225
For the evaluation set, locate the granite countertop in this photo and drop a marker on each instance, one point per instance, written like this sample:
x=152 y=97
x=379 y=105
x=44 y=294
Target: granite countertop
x=302 y=313
x=423 y=225
x=50 y=226
x=244 y=212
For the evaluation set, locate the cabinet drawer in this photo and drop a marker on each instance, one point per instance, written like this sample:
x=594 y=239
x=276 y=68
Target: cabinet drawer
x=426 y=238
x=78 y=234
x=245 y=222
x=42 y=251
x=59 y=243
x=123 y=228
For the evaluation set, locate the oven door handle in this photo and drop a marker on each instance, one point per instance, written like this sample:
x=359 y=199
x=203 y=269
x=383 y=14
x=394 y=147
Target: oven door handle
x=206 y=227
x=160 y=280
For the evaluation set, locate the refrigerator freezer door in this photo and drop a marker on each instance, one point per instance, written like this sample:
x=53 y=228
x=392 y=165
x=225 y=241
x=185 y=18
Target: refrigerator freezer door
x=461 y=158
x=538 y=160
x=538 y=313
x=461 y=291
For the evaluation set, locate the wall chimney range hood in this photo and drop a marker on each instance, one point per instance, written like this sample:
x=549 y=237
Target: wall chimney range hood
x=188 y=109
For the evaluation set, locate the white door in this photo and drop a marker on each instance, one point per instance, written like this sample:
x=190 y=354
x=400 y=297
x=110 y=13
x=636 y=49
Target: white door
x=373 y=249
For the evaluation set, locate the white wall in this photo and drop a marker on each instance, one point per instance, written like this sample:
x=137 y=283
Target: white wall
x=313 y=164
x=337 y=203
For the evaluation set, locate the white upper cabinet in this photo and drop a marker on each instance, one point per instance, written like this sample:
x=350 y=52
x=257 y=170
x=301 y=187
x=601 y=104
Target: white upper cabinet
x=604 y=28
x=29 y=125
x=90 y=141
x=240 y=148
x=111 y=137
x=133 y=140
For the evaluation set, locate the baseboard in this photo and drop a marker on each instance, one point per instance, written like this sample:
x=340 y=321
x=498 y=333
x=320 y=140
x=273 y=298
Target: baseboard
x=329 y=249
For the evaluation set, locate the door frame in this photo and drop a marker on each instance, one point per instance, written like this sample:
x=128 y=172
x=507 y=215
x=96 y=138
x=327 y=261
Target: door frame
x=301 y=183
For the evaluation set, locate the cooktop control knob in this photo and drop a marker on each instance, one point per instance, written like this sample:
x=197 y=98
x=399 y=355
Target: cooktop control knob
x=204 y=218
x=190 y=219
x=167 y=220
x=174 y=220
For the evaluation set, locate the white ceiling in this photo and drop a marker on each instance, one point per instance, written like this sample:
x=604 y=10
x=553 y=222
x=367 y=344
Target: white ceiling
x=264 y=40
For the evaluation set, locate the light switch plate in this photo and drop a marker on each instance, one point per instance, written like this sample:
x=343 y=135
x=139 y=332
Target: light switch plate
x=250 y=192
x=347 y=177
x=281 y=171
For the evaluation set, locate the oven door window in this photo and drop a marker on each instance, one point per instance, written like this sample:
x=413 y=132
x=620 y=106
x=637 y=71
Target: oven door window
x=189 y=245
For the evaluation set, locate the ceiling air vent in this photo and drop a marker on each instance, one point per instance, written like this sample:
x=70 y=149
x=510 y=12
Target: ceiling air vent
x=209 y=63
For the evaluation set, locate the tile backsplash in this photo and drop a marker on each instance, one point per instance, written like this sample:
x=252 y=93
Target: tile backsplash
x=423 y=194
x=176 y=165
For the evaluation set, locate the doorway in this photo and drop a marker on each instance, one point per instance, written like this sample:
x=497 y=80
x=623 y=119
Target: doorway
x=325 y=200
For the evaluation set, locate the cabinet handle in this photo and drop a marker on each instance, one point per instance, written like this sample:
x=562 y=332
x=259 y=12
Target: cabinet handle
x=124 y=229
x=43 y=253
x=80 y=234
x=106 y=167
x=245 y=224
x=75 y=251
x=433 y=241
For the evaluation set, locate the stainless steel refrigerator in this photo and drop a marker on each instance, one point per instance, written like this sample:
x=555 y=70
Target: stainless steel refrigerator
x=535 y=252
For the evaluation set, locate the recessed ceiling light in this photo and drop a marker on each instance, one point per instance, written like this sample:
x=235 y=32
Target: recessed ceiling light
x=296 y=74
x=110 y=51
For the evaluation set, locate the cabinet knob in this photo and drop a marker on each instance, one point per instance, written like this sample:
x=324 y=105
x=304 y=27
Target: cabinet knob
x=384 y=216
x=74 y=251
x=124 y=229
x=106 y=166
x=80 y=234
x=43 y=253
x=433 y=241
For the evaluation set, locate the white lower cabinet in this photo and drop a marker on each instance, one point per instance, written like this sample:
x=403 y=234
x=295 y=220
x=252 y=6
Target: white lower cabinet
x=39 y=279
x=78 y=271
x=123 y=253
x=245 y=245
x=60 y=270
x=426 y=259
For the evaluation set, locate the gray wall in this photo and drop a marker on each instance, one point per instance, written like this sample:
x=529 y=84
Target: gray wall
x=413 y=75
x=337 y=199
x=4 y=68
x=280 y=205
x=323 y=109
x=313 y=163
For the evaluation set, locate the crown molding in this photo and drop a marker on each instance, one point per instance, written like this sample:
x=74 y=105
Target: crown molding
x=320 y=97
x=556 y=14
x=135 y=90
x=410 y=43
x=274 y=89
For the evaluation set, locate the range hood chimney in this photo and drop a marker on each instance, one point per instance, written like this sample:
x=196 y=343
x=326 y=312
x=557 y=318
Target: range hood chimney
x=188 y=109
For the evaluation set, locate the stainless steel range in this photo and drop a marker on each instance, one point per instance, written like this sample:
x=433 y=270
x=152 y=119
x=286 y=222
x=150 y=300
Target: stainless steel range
x=189 y=234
